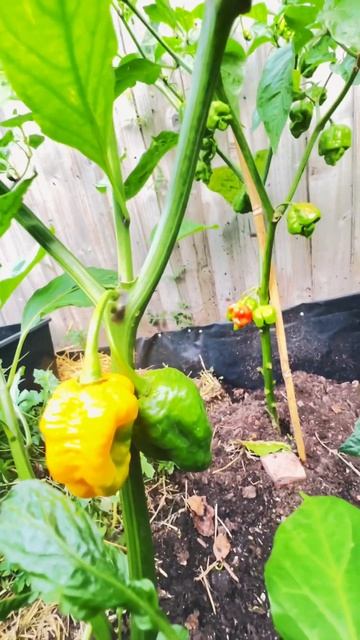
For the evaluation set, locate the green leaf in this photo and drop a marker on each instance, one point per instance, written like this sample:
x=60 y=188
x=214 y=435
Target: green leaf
x=161 y=11
x=6 y=139
x=11 y=278
x=34 y=140
x=342 y=19
x=62 y=292
x=146 y=467
x=183 y=633
x=263 y=447
x=14 y=603
x=58 y=58
x=225 y=182
x=159 y=146
x=261 y=158
x=10 y=203
x=58 y=545
x=312 y=575
x=351 y=446
x=232 y=71
x=190 y=227
x=345 y=69
x=301 y=15
x=274 y=95
x=133 y=69
x=258 y=12
x=17 y=121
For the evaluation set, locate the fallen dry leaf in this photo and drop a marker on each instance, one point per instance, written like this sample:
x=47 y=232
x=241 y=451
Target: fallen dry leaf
x=221 y=547
x=192 y=621
x=197 y=504
x=202 y=515
x=249 y=491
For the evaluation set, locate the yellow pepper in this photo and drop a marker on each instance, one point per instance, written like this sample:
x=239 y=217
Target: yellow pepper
x=87 y=430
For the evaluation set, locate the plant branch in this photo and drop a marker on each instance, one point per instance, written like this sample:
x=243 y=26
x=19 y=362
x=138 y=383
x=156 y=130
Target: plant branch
x=317 y=130
x=180 y=63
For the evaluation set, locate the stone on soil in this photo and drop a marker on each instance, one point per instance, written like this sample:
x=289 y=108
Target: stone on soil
x=283 y=468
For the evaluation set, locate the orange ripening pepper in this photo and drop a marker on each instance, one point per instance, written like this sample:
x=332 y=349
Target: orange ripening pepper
x=239 y=314
x=87 y=430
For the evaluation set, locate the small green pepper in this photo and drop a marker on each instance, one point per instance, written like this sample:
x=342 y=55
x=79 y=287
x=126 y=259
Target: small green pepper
x=219 y=116
x=333 y=143
x=264 y=314
x=172 y=423
x=302 y=218
x=300 y=116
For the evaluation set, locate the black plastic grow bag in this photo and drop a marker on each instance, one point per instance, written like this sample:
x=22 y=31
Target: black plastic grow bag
x=323 y=338
x=38 y=350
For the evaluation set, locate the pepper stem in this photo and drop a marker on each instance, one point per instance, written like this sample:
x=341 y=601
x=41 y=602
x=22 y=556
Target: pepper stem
x=91 y=370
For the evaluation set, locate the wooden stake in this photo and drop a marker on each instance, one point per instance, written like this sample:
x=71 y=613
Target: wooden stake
x=259 y=222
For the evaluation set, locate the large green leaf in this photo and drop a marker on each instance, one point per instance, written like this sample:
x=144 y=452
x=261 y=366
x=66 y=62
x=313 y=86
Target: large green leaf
x=232 y=71
x=62 y=292
x=133 y=69
x=225 y=182
x=10 y=203
x=58 y=57
x=342 y=19
x=159 y=145
x=345 y=69
x=161 y=11
x=313 y=573
x=11 y=278
x=274 y=95
x=351 y=446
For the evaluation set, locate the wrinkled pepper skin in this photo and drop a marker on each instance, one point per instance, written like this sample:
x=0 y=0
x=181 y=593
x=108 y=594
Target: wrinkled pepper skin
x=300 y=116
x=302 y=218
x=333 y=143
x=172 y=423
x=219 y=116
x=87 y=431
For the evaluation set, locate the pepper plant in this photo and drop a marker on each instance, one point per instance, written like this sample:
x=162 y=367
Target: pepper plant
x=58 y=58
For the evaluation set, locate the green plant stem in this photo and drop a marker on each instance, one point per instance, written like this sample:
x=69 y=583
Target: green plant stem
x=171 y=94
x=101 y=628
x=57 y=250
x=16 y=358
x=240 y=138
x=156 y=35
x=317 y=130
x=91 y=368
x=123 y=244
x=219 y=16
x=229 y=163
x=10 y=424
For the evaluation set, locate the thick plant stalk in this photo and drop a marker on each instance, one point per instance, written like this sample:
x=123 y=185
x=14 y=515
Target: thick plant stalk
x=259 y=222
x=218 y=19
x=10 y=424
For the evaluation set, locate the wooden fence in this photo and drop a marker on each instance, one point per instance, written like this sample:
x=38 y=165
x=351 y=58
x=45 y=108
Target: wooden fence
x=209 y=269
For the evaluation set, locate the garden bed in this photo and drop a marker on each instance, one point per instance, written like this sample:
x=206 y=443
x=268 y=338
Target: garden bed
x=248 y=505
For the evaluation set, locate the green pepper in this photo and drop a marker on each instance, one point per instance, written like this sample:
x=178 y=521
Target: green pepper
x=302 y=218
x=264 y=314
x=333 y=142
x=219 y=116
x=300 y=116
x=172 y=423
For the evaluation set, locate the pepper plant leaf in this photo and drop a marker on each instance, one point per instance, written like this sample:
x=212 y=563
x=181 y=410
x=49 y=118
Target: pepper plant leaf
x=342 y=19
x=183 y=633
x=58 y=58
x=274 y=95
x=10 y=278
x=263 y=448
x=312 y=575
x=232 y=71
x=351 y=446
x=188 y=228
x=62 y=292
x=133 y=69
x=15 y=602
x=65 y=557
x=10 y=203
x=159 y=146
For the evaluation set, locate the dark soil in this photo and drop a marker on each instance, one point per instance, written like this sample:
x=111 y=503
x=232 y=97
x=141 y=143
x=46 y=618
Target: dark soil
x=328 y=411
